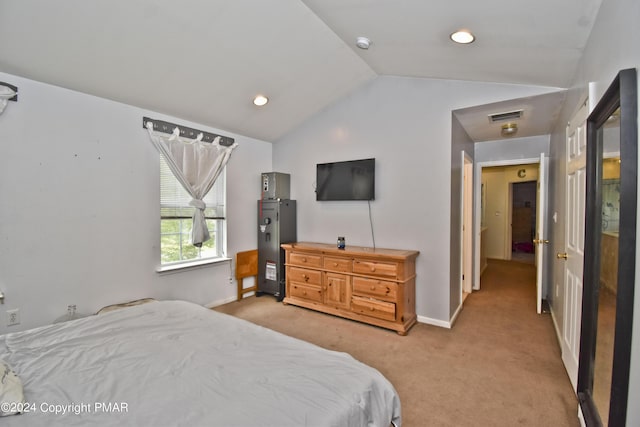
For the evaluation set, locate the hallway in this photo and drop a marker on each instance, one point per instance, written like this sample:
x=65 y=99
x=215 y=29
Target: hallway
x=517 y=342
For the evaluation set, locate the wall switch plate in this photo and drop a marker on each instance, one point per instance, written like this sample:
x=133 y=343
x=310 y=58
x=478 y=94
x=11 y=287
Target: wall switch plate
x=13 y=317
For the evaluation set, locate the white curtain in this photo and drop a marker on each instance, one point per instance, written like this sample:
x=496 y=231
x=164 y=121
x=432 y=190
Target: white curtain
x=196 y=165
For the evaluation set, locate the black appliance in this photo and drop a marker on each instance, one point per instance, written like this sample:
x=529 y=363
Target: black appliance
x=276 y=225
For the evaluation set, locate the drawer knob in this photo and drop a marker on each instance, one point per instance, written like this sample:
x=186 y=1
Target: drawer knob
x=304 y=292
x=305 y=277
x=335 y=264
x=304 y=260
x=373 y=269
x=371 y=308
x=373 y=288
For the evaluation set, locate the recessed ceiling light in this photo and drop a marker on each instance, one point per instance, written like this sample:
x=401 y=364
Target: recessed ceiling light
x=363 y=43
x=462 y=37
x=260 y=100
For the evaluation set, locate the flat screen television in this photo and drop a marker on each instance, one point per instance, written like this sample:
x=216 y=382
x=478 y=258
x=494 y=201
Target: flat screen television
x=351 y=180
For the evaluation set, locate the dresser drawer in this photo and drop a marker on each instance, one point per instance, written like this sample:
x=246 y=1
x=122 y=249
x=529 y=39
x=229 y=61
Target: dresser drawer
x=305 y=260
x=369 y=285
x=369 y=307
x=302 y=275
x=374 y=268
x=375 y=288
x=303 y=291
x=337 y=264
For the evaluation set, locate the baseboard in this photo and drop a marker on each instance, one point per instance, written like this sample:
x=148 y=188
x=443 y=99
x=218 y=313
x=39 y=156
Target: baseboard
x=221 y=302
x=421 y=319
x=452 y=321
x=562 y=347
x=434 y=322
x=555 y=326
x=484 y=267
x=441 y=323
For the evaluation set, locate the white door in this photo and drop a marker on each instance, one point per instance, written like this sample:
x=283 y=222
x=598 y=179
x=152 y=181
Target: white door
x=541 y=219
x=467 y=223
x=573 y=258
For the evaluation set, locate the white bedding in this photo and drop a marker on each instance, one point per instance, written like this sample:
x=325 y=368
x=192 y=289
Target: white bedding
x=175 y=363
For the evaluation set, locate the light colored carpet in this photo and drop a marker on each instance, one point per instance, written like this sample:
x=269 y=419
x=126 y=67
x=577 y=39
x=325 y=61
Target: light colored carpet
x=499 y=365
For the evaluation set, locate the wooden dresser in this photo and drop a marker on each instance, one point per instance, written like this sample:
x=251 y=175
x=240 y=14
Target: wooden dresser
x=375 y=286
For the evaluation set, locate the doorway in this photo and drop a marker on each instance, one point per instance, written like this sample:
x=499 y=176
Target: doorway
x=523 y=221
x=494 y=239
x=467 y=227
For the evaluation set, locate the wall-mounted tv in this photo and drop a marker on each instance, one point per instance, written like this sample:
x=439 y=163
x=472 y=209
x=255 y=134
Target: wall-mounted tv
x=351 y=180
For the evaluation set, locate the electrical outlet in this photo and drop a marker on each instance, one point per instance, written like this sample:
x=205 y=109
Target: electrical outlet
x=13 y=317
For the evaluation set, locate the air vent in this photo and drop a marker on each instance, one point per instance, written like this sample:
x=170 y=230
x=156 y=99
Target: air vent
x=508 y=116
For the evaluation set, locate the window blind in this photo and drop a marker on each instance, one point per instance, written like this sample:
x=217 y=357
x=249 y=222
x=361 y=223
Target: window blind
x=174 y=200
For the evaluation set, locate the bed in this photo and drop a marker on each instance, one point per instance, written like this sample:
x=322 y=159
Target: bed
x=179 y=364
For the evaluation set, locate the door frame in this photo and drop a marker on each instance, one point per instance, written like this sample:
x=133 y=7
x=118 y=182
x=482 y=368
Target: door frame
x=466 y=225
x=542 y=221
x=477 y=213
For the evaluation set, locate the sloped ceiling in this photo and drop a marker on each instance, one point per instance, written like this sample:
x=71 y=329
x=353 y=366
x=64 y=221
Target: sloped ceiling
x=204 y=61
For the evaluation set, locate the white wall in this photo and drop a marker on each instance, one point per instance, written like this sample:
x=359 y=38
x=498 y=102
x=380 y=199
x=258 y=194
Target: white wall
x=460 y=142
x=405 y=123
x=79 y=200
x=612 y=46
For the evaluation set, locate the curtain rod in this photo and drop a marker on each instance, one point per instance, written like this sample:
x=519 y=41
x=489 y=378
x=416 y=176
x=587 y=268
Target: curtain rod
x=12 y=87
x=167 y=127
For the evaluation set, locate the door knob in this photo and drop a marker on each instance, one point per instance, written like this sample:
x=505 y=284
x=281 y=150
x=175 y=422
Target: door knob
x=561 y=255
x=538 y=241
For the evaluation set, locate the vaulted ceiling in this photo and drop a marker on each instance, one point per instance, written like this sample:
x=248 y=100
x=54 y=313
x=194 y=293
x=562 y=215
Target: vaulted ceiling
x=204 y=61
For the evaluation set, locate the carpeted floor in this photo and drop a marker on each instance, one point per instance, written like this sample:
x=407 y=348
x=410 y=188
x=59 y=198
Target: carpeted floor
x=499 y=365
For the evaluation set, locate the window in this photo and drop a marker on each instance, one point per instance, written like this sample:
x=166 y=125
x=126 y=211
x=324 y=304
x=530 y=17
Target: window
x=176 y=222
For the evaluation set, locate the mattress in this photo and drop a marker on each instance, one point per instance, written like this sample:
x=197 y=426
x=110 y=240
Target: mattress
x=180 y=364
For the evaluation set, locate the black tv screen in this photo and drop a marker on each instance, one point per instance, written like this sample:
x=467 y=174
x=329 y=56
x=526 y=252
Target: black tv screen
x=352 y=180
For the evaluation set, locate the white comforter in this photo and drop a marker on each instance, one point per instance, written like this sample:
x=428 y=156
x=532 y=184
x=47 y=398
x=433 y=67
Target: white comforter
x=175 y=363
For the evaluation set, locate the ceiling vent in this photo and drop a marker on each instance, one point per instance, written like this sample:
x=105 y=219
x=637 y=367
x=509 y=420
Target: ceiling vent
x=508 y=116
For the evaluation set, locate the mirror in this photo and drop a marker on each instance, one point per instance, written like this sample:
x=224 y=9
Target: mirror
x=610 y=245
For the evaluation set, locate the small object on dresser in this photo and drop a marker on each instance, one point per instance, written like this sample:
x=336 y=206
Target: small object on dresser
x=341 y=243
